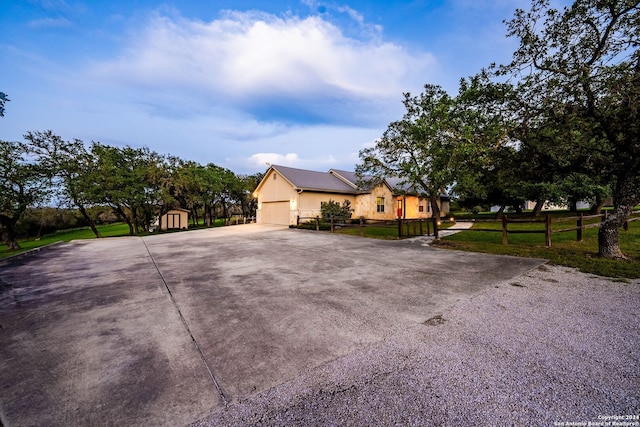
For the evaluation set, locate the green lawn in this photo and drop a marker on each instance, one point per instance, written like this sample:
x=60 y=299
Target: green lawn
x=112 y=230
x=564 y=250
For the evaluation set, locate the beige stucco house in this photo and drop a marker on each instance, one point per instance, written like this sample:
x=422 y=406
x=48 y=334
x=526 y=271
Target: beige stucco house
x=286 y=194
x=175 y=219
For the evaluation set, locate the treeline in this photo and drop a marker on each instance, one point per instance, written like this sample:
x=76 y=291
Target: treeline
x=135 y=184
x=559 y=123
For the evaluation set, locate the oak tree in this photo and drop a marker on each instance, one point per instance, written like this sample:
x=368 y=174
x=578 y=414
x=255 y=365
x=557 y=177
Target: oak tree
x=580 y=67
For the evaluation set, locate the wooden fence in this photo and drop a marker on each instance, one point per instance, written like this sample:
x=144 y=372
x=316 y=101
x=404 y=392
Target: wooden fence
x=405 y=227
x=430 y=226
x=582 y=223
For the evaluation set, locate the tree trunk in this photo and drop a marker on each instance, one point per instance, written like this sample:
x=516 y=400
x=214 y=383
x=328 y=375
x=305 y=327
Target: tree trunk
x=207 y=215
x=596 y=208
x=537 y=210
x=501 y=211
x=225 y=211
x=9 y=238
x=624 y=200
x=87 y=218
x=124 y=216
x=135 y=220
x=435 y=209
x=608 y=244
x=194 y=215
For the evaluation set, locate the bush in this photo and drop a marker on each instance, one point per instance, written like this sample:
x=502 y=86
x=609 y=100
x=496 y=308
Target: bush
x=333 y=209
x=37 y=222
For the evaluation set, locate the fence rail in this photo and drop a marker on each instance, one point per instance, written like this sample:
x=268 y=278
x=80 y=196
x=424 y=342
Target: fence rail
x=548 y=221
x=418 y=226
x=406 y=227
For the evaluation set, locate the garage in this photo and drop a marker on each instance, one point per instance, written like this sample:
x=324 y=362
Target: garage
x=275 y=213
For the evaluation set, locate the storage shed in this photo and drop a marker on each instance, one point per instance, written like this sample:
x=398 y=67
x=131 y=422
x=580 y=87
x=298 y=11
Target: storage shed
x=175 y=219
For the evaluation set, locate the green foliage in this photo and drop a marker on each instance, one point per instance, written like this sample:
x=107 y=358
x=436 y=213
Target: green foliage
x=23 y=183
x=579 y=98
x=334 y=209
x=103 y=183
x=3 y=100
x=419 y=148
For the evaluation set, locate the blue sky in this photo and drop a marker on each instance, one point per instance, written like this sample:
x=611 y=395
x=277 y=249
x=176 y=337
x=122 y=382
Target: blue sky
x=302 y=83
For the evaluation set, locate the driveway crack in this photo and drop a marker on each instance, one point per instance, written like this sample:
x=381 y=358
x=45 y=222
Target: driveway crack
x=186 y=325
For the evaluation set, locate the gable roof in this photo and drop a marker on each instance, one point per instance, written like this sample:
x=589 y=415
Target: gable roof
x=337 y=181
x=364 y=185
x=303 y=179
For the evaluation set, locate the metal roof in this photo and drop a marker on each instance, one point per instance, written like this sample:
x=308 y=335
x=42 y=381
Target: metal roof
x=339 y=181
x=311 y=180
x=366 y=184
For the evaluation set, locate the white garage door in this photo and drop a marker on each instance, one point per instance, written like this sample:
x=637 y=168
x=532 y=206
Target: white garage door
x=275 y=213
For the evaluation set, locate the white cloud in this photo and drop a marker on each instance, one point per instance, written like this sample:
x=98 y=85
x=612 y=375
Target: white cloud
x=267 y=159
x=254 y=59
x=264 y=160
x=313 y=147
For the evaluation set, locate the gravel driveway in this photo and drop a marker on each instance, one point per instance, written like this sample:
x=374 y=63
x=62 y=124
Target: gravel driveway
x=553 y=347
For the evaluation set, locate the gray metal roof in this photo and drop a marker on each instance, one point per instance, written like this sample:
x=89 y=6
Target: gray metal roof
x=366 y=184
x=312 y=180
x=339 y=181
x=400 y=185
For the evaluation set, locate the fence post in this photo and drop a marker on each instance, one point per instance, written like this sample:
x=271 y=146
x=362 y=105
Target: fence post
x=297 y=220
x=399 y=227
x=332 y=229
x=505 y=236
x=361 y=228
x=317 y=223
x=428 y=227
x=435 y=228
x=415 y=229
x=420 y=222
x=547 y=231
x=580 y=226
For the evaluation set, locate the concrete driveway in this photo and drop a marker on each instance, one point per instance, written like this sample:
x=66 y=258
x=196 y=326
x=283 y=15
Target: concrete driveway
x=166 y=329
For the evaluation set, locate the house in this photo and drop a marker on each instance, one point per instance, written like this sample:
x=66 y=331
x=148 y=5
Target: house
x=286 y=194
x=175 y=219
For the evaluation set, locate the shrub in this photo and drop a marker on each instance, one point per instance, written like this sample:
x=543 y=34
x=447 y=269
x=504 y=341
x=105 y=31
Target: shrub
x=334 y=209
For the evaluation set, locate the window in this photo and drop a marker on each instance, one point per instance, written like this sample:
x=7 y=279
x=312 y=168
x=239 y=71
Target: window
x=421 y=208
x=380 y=204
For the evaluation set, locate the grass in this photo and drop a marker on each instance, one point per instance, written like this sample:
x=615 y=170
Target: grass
x=565 y=249
x=111 y=230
